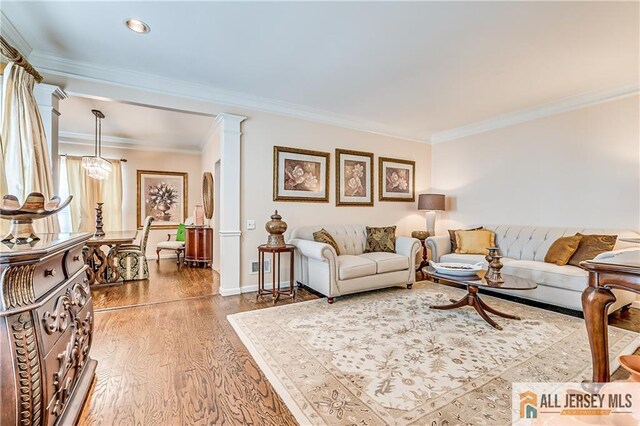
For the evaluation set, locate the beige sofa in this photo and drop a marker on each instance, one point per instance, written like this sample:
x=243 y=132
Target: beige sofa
x=524 y=248
x=320 y=268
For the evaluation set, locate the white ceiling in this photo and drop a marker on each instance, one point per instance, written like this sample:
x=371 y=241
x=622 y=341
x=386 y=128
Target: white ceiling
x=133 y=125
x=410 y=69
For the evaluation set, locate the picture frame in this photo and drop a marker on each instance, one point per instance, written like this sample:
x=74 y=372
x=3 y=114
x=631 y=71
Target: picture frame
x=396 y=180
x=354 y=178
x=163 y=195
x=300 y=175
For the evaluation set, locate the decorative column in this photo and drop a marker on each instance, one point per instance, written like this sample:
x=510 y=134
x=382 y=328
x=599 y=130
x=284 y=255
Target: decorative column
x=229 y=209
x=48 y=98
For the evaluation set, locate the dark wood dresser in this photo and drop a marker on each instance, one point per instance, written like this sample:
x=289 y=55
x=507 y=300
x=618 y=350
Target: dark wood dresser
x=46 y=328
x=198 y=246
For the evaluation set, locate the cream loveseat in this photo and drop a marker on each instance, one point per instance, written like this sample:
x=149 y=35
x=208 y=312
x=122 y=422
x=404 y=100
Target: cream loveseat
x=524 y=248
x=318 y=266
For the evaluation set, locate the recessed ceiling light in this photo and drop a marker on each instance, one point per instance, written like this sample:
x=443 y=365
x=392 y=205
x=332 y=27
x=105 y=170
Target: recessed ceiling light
x=137 y=26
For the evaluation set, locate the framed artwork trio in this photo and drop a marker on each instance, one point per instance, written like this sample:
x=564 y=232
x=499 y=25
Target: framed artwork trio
x=303 y=176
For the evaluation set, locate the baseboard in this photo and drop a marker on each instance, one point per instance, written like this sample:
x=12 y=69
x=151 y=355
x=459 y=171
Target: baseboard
x=252 y=288
x=230 y=291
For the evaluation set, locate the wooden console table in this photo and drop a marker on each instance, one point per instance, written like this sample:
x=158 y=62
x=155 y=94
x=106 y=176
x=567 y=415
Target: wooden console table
x=619 y=272
x=46 y=328
x=198 y=246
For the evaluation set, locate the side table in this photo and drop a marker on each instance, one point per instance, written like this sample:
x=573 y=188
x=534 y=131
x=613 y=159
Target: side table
x=425 y=261
x=275 y=291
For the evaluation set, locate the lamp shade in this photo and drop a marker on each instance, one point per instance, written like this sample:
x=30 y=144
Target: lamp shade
x=431 y=202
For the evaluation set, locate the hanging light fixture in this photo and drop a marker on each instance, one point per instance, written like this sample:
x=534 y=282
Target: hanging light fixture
x=97 y=167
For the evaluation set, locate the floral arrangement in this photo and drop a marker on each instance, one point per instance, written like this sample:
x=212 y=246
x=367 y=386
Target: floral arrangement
x=397 y=180
x=162 y=195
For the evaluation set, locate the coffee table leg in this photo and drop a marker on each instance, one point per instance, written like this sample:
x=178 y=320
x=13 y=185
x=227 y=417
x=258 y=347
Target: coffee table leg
x=495 y=311
x=459 y=304
x=478 y=307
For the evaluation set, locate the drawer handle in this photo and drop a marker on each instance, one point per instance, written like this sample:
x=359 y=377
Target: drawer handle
x=76 y=258
x=50 y=272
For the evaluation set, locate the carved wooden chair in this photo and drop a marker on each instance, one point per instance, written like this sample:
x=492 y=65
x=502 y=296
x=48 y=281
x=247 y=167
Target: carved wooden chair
x=131 y=258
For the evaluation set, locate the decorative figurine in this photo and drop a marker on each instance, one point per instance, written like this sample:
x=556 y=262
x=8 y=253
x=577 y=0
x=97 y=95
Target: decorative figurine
x=21 y=216
x=276 y=227
x=99 y=232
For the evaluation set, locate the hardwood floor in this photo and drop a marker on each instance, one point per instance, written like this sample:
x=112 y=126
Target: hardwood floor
x=167 y=354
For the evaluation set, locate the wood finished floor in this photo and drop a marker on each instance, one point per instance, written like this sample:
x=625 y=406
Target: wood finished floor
x=168 y=356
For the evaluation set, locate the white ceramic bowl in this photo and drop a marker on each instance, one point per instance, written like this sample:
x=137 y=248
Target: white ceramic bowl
x=457 y=269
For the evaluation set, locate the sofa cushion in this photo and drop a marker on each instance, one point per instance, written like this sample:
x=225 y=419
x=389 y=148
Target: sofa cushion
x=355 y=266
x=474 y=242
x=592 y=245
x=567 y=277
x=381 y=239
x=387 y=262
x=171 y=245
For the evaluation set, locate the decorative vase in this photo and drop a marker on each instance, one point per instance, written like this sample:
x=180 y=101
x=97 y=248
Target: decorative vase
x=276 y=227
x=21 y=216
x=198 y=213
x=420 y=235
x=164 y=211
x=493 y=275
x=99 y=232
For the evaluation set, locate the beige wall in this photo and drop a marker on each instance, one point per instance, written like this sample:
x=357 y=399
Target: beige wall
x=260 y=132
x=147 y=160
x=579 y=168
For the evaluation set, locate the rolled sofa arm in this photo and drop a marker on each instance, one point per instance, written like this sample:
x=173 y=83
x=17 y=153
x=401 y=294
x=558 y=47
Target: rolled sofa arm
x=439 y=246
x=408 y=247
x=314 y=250
x=616 y=253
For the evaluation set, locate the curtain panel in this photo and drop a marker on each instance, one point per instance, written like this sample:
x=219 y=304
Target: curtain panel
x=87 y=192
x=25 y=160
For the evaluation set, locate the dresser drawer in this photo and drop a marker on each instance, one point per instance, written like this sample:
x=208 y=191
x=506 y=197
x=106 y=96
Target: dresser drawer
x=65 y=361
x=47 y=275
x=73 y=261
x=56 y=315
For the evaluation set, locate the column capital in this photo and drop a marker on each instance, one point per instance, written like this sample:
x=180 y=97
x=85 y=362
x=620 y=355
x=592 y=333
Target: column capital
x=224 y=118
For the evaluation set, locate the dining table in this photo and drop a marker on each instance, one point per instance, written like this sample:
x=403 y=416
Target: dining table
x=99 y=254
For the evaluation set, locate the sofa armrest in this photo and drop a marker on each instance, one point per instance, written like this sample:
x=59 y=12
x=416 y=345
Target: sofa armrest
x=314 y=250
x=407 y=247
x=615 y=253
x=439 y=245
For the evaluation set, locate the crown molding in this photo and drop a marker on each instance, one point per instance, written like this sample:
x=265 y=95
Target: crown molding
x=73 y=138
x=167 y=86
x=13 y=36
x=541 y=111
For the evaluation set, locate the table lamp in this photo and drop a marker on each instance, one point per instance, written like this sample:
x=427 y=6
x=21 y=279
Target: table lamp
x=431 y=203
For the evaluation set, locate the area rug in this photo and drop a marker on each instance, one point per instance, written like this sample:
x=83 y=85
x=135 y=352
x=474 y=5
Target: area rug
x=384 y=357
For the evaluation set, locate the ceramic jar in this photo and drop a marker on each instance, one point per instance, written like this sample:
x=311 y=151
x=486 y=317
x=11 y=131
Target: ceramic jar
x=276 y=227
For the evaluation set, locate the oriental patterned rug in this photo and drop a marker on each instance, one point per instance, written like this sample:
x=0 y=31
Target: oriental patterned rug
x=384 y=357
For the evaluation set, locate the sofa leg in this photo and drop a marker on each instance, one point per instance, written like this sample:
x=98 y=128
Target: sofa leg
x=330 y=300
x=410 y=286
x=158 y=254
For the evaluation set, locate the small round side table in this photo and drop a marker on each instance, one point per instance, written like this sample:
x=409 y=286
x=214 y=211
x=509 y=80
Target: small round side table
x=275 y=291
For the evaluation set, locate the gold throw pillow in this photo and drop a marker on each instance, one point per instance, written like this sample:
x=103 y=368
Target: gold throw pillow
x=591 y=246
x=474 y=242
x=381 y=239
x=322 y=236
x=452 y=236
x=562 y=249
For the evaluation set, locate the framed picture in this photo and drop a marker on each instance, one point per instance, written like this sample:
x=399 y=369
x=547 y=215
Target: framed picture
x=354 y=178
x=397 y=179
x=162 y=195
x=300 y=175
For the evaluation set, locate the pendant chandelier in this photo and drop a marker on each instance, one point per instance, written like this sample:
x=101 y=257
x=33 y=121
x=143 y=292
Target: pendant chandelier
x=97 y=167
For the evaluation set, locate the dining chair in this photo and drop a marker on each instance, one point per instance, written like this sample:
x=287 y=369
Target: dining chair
x=131 y=258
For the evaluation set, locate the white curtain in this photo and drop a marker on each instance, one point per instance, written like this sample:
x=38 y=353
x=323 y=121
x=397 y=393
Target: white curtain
x=87 y=192
x=25 y=160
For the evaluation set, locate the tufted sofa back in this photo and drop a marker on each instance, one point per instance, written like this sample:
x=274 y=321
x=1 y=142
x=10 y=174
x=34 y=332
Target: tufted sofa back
x=532 y=243
x=351 y=239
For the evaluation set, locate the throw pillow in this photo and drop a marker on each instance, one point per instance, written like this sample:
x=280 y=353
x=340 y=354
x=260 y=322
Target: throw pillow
x=181 y=232
x=562 y=249
x=474 y=242
x=591 y=246
x=452 y=236
x=381 y=239
x=322 y=236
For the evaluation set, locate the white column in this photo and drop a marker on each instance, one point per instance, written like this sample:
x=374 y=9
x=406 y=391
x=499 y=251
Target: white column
x=229 y=203
x=48 y=98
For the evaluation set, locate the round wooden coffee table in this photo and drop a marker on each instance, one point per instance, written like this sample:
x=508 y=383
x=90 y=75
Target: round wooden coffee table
x=472 y=297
